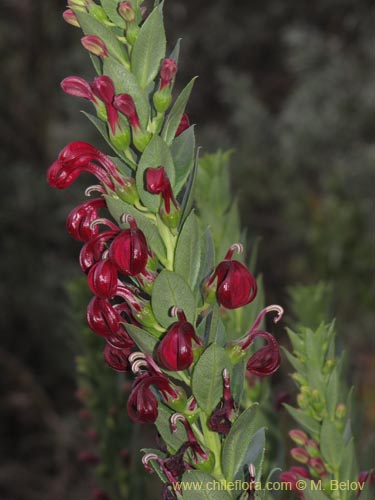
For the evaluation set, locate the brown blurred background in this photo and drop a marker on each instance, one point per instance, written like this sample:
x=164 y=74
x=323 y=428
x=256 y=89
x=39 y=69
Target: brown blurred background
x=289 y=86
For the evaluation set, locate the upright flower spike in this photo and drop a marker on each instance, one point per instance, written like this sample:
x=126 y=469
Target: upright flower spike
x=129 y=251
x=175 y=351
x=95 y=45
x=236 y=286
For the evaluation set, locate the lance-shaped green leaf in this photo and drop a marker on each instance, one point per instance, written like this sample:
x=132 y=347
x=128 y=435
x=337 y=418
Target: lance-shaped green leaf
x=348 y=467
x=125 y=83
x=149 y=49
x=197 y=485
x=187 y=255
x=178 y=109
x=102 y=129
x=307 y=422
x=238 y=441
x=111 y=9
x=118 y=208
x=170 y=290
x=207 y=256
x=173 y=439
x=91 y=26
x=209 y=369
x=331 y=444
x=144 y=340
x=216 y=333
x=156 y=154
x=189 y=194
x=183 y=153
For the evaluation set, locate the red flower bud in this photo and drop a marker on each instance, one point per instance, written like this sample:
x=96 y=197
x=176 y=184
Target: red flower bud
x=117 y=359
x=157 y=182
x=126 y=11
x=104 y=88
x=129 y=250
x=71 y=18
x=78 y=87
x=167 y=72
x=80 y=219
x=318 y=465
x=125 y=104
x=184 y=124
x=95 y=45
x=298 y=436
x=236 y=286
x=102 y=279
x=300 y=455
x=175 y=351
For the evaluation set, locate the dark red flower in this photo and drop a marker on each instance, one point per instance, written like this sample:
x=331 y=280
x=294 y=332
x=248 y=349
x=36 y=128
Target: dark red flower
x=167 y=72
x=79 y=220
x=102 y=279
x=220 y=419
x=100 y=495
x=142 y=404
x=125 y=104
x=117 y=359
x=78 y=87
x=129 y=251
x=175 y=351
x=104 y=88
x=92 y=250
x=157 y=182
x=103 y=318
x=184 y=124
x=291 y=477
x=236 y=286
x=266 y=360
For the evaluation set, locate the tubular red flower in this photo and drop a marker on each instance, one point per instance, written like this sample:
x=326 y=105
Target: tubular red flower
x=78 y=87
x=129 y=251
x=103 y=318
x=220 y=419
x=104 y=88
x=198 y=452
x=92 y=250
x=157 y=182
x=266 y=360
x=184 y=125
x=167 y=72
x=102 y=279
x=95 y=45
x=125 y=104
x=142 y=404
x=117 y=359
x=175 y=351
x=236 y=286
x=80 y=219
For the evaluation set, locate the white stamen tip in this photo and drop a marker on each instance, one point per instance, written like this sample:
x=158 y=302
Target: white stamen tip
x=238 y=247
x=126 y=218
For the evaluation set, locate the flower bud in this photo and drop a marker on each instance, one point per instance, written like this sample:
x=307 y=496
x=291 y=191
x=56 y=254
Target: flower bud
x=162 y=99
x=121 y=138
x=141 y=139
x=298 y=436
x=175 y=351
x=184 y=124
x=300 y=455
x=318 y=466
x=129 y=251
x=95 y=45
x=171 y=219
x=126 y=11
x=80 y=5
x=312 y=448
x=102 y=279
x=126 y=105
x=340 y=411
x=70 y=18
x=157 y=182
x=78 y=87
x=167 y=72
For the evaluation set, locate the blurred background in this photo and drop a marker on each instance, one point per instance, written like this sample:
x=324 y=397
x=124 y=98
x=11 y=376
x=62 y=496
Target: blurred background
x=289 y=86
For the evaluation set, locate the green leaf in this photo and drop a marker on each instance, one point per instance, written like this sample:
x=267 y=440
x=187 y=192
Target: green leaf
x=348 y=466
x=237 y=380
x=173 y=440
x=144 y=340
x=296 y=341
x=209 y=369
x=197 y=485
x=125 y=83
x=217 y=333
x=183 y=153
x=156 y=154
x=295 y=362
x=189 y=193
x=332 y=392
x=102 y=128
x=237 y=443
x=118 y=207
x=91 y=26
x=331 y=444
x=175 y=54
x=149 y=49
x=187 y=256
x=110 y=7
x=307 y=422
x=207 y=256
x=170 y=290
x=174 y=117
